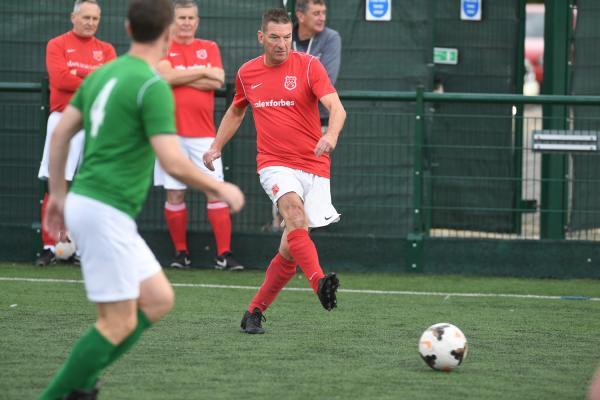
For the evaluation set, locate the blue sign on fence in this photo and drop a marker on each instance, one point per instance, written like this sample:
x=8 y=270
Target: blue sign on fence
x=378 y=10
x=470 y=10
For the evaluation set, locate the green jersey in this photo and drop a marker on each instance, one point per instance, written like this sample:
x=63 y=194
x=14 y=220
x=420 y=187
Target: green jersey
x=123 y=104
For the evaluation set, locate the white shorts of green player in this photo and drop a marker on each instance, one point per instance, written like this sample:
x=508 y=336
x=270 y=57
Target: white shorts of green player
x=313 y=190
x=193 y=148
x=114 y=257
x=75 y=150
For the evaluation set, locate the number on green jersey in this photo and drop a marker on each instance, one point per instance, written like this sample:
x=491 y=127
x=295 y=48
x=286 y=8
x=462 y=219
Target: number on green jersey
x=97 y=112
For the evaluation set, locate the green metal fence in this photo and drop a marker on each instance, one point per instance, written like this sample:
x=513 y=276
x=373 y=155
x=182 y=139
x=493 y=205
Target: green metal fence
x=390 y=178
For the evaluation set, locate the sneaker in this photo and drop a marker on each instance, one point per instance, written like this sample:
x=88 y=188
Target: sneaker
x=181 y=260
x=84 y=394
x=226 y=262
x=328 y=285
x=75 y=259
x=46 y=258
x=252 y=322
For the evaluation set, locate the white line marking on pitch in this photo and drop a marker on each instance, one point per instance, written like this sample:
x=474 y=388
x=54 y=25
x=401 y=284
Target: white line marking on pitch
x=359 y=291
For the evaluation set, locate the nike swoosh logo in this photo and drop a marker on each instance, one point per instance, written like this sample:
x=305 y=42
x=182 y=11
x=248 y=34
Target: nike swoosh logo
x=255 y=86
x=328 y=218
x=222 y=263
x=71 y=50
x=173 y=54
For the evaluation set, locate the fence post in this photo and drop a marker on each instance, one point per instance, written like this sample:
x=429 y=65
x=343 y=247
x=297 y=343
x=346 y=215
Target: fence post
x=42 y=187
x=554 y=167
x=414 y=261
x=518 y=122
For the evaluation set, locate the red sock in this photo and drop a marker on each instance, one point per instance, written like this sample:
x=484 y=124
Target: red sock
x=278 y=274
x=47 y=240
x=176 y=216
x=303 y=249
x=220 y=220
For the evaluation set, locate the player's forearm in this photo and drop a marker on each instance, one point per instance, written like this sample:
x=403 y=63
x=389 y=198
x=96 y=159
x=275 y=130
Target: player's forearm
x=185 y=171
x=337 y=118
x=59 y=150
x=176 y=77
x=206 y=84
x=229 y=125
x=70 y=123
x=64 y=80
x=176 y=164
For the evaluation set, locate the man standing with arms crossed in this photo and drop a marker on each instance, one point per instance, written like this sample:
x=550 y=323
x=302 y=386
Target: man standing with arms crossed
x=284 y=88
x=70 y=57
x=194 y=69
x=128 y=114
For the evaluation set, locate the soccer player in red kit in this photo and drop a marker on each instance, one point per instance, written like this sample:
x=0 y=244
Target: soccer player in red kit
x=284 y=88
x=70 y=57
x=194 y=69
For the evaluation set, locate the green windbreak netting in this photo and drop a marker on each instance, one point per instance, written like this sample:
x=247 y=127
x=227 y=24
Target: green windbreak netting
x=585 y=207
x=20 y=153
x=390 y=55
x=26 y=26
x=469 y=146
x=372 y=168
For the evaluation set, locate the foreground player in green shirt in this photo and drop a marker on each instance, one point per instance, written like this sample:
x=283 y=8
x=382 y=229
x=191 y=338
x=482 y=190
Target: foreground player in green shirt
x=128 y=114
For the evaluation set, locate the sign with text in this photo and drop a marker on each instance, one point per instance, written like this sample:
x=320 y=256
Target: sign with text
x=444 y=55
x=470 y=10
x=378 y=10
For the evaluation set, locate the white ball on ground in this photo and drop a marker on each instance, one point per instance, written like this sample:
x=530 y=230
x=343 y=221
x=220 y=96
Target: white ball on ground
x=64 y=250
x=443 y=346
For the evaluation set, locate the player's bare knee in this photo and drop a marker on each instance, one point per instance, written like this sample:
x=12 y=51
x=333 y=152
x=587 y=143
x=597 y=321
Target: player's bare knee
x=175 y=197
x=285 y=252
x=167 y=302
x=295 y=217
x=117 y=329
x=160 y=305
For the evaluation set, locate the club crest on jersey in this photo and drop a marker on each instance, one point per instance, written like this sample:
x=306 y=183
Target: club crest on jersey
x=98 y=55
x=275 y=189
x=201 y=54
x=290 y=82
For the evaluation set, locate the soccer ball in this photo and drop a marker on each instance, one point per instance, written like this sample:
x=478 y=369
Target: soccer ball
x=443 y=346
x=64 y=250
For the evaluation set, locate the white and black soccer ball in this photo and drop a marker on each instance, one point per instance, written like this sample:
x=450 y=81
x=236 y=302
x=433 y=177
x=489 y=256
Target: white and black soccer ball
x=443 y=346
x=65 y=249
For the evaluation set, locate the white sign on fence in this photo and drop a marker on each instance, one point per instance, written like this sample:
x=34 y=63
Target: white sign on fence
x=378 y=10
x=470 y=10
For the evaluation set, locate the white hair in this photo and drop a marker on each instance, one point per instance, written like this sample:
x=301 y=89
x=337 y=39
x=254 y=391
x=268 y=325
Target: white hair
x=78 y=3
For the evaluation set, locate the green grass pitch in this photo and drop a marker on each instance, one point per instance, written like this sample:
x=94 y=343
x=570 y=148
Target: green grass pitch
x=519 y=347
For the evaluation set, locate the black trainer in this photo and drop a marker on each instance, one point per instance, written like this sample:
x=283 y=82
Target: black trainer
x=75 y=259
x=46 y=258
x=181 y=260
x=252 y=322
x=328 y=285
x=226 y=262
x=84 y=394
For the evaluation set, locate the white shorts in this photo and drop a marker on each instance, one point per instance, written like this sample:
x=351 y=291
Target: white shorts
x=75 y=150
x=114 y=257
x=313 y=190
x=194 y=148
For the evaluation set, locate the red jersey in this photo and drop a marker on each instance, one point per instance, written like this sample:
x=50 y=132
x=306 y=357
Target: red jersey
x=194 y=109
x=284 y=100
x=69 y=59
